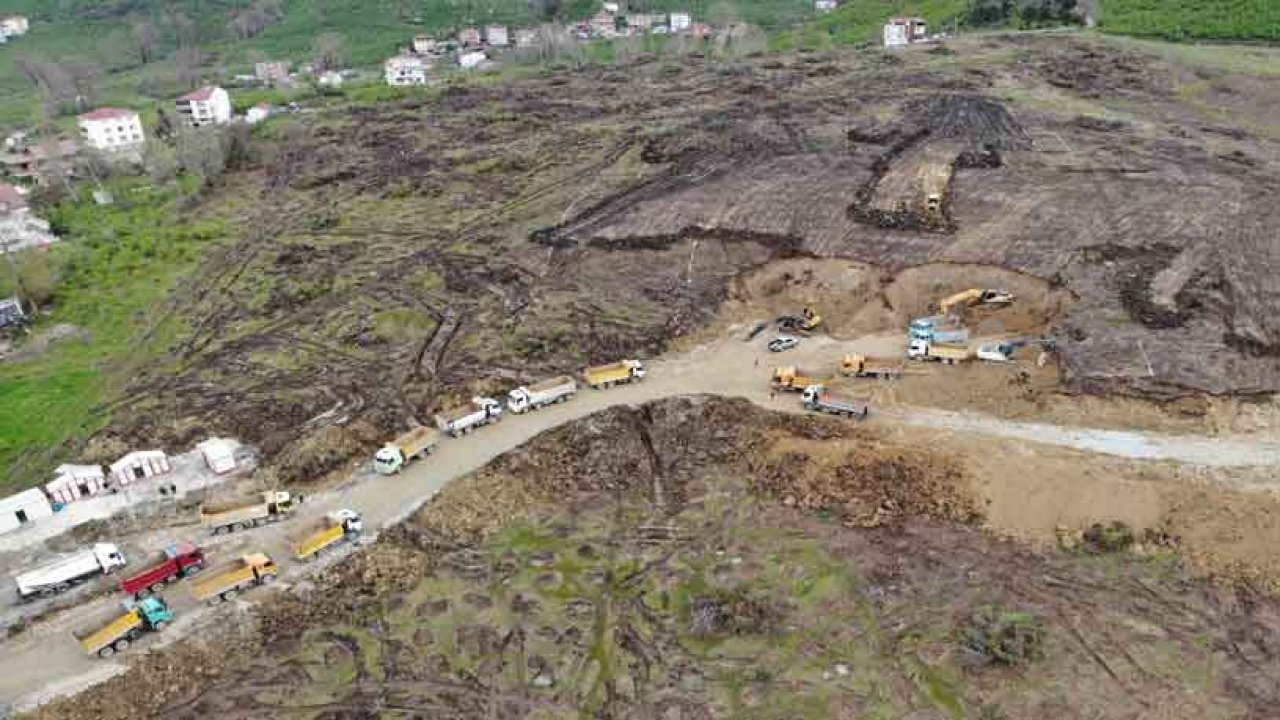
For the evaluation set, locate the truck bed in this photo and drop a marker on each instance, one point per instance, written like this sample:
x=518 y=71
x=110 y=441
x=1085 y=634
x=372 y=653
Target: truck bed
x=450 y=417
x=235 y=515
x=94 y=640
x=221 y=579
x=554 y=383
x=319 y=540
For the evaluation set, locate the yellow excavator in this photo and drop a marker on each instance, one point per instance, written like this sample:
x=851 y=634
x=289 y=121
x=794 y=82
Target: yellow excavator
x=975 y=296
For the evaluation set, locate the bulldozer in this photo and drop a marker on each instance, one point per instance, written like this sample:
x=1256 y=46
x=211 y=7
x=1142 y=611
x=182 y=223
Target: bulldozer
x=973 y=297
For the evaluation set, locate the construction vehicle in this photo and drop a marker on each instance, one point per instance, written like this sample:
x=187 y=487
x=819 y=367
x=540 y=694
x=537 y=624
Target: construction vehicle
x=395 y=455
x=805 y=323
x=532 y=397
x=113 y=637
x=947 y=353
x=939 y=328
x=606 y=376
x=335 y=527
x=460 y=421
x=226 y=582
x=975 y=296
x=61 y=574
x=869 y=367
x=794 y=379
x=817 y=399
x=272 y=506
x=172 y=563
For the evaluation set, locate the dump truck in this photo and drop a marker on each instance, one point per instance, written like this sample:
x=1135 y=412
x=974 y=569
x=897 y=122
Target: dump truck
x=169 y=565
x=395 y=455
x=61 y=574
x=623 y=371
x=869 y=367
x=948 y=353
x=532 y=397
x=105 y=640
x=334 y=528
x=271 y=506
x=794 y=379
x=460 y=421
x=224 y=583
x=817 y=399
x=939 y=328
x=975 y=296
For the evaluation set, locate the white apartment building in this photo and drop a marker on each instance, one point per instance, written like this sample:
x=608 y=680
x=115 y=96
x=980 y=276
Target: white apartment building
x=405 y=70
x=111 y=129
x=209 y=105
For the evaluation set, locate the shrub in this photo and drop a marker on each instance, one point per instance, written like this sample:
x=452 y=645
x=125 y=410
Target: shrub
x=1102 y=539
x=1009 y=637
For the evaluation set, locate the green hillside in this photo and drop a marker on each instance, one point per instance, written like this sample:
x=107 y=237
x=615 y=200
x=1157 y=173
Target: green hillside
x=1194 y=19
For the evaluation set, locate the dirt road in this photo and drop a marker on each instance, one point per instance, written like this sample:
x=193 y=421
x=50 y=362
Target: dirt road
x=45 y=661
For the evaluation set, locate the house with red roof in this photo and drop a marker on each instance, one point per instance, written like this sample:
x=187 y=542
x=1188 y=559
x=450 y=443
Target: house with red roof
x=111 y=130
x=210 y=105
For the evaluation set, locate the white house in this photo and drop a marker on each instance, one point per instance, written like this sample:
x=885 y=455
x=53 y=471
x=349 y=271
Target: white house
x=258 y=113
x=472 y=60
x=902 y=31
x=138 y=465
x=405 y=70
x=26 y=506
x=14 y=25
x=424 y=45
x=210 y=105
x=680 y=22
x=330 y=78
x=72 y=482
x=469 y=36
x=219 y=453
x=823 y=7
x=526 y=37
x=111 y=129
x=497 y=35
x=271 y=72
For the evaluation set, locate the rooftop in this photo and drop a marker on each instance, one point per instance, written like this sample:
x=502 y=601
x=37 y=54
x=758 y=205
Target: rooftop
x=108 y=114
x=200 y=95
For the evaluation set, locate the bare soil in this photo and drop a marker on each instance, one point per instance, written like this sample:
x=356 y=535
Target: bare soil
x=649 y=558
x=397 y=258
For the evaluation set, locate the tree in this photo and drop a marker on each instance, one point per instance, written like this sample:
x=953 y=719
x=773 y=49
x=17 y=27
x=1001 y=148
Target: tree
x=187 y=63
x=723 y=14
x=160 y=161
x=329 y=52
x=185 y=29
x=545 y=10
x=202 y=152
x=144 y=39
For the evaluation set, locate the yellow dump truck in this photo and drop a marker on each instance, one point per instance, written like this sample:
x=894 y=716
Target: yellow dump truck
x=416 y=443
x=107 y=639
x=869 y=367
x=332 y=529
x=270 y=506
x=794 y=379
x=623 y=371
x=226 y=582
x=946 y=353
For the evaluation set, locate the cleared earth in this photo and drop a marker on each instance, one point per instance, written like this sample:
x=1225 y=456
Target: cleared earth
x=700 y=558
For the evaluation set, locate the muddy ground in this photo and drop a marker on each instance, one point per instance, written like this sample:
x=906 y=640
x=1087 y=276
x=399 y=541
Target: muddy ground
x=397 y=257
x=700 y=558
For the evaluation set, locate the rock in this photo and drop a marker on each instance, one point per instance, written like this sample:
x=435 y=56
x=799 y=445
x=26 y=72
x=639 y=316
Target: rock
x=841 y=669
x=545 y=680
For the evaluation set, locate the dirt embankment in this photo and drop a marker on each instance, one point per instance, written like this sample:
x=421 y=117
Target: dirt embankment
x=646 y=560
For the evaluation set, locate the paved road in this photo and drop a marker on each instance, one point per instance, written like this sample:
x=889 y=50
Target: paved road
x=46 y=662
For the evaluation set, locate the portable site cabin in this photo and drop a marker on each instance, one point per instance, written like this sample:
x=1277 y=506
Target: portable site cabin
x=138 y=465
x=26 y=506
x=72 y=482
x=902 y=31
x=219 y=453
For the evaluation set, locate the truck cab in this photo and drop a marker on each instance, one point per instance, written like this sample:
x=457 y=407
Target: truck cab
x=637 y=369
x=349 y=519
x=492 y=408
x=388 y=460
x=155 y=612
x=918 y=349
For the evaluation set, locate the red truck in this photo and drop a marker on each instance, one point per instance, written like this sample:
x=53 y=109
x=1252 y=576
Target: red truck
x=175 y=561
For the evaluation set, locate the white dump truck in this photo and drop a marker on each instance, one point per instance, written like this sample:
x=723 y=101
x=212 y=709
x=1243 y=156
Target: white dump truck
x=59 y=575
x=606 y=376
x=463 y=420
x=818 y=399
x=532 y=397
x=394 y=455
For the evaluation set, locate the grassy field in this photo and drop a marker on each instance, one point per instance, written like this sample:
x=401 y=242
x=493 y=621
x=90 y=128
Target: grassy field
x=1193 y=19
x=859 y=22
x=117 y=266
